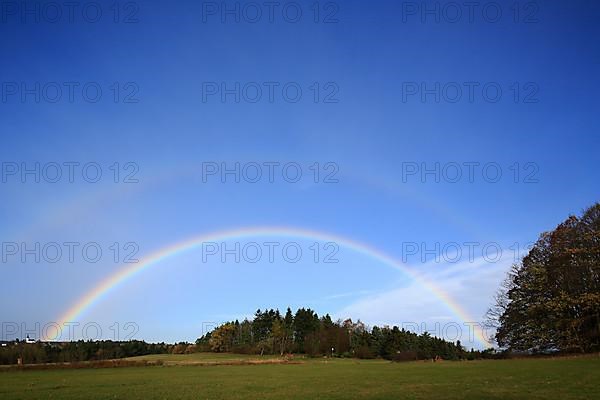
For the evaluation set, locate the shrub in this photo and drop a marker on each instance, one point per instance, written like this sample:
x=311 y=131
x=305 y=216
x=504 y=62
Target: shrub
x=404 y=356
x=364 y=352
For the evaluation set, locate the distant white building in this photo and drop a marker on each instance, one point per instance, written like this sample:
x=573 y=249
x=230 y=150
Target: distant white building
x=29 y=340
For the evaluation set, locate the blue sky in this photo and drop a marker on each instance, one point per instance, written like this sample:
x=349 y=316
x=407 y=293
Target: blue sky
x=373 y=132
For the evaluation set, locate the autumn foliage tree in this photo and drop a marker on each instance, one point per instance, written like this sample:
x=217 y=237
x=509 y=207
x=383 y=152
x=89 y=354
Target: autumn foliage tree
x=551 y=300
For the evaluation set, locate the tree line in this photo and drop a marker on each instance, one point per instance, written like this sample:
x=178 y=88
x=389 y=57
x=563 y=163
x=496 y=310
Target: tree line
x=268 y=332
x=76 y=351
x=550 y=301
x=305 y=332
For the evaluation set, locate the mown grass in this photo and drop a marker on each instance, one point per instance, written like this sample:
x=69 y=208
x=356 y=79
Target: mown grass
x=558 y=378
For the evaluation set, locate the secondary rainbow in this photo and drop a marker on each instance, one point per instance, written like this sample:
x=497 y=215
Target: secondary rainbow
x=111 y=282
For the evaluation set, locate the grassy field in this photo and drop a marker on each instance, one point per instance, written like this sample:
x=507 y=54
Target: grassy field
x=559 y=378
x=205 y=358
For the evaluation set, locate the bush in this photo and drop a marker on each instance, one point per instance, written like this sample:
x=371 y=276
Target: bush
x=364 y=352
x=244 y=349
x=404 y=356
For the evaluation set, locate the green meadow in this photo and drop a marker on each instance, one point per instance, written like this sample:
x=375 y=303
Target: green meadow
x=202 y=376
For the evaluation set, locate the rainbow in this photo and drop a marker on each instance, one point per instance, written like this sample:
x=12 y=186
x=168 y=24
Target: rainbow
x=110 y=283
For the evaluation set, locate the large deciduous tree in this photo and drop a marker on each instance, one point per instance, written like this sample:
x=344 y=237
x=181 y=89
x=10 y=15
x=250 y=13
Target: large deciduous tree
x=552 y=299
